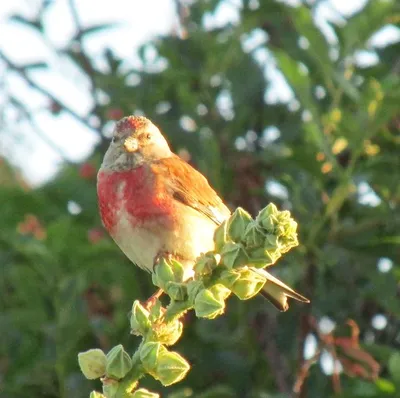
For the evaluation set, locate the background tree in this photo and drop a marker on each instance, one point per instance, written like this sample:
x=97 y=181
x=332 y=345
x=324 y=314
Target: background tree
x=330 y=155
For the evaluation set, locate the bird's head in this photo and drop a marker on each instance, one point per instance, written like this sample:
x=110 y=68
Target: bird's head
x=136 y=140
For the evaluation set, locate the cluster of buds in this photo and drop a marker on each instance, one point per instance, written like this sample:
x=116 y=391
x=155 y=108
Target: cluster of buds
x=243 y=246
x=152 y=357
x=260 y=242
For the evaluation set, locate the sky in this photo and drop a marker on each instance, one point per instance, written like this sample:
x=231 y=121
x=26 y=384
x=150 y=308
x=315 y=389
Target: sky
x=139 y=21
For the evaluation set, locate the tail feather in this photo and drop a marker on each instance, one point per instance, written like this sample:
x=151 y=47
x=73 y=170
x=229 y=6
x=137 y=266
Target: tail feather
x=277 y=292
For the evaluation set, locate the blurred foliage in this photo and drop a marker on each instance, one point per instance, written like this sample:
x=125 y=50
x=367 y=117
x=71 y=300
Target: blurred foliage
x=331 y=155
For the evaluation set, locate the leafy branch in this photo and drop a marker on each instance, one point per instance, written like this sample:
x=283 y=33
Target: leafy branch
x=243 y=247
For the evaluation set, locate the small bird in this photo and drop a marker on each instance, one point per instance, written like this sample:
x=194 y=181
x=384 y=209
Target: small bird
x=154 y=204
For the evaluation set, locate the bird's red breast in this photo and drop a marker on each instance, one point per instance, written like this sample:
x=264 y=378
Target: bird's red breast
x=135 y=193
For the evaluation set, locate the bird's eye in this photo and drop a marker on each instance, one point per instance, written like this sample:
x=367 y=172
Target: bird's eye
x=148 y=136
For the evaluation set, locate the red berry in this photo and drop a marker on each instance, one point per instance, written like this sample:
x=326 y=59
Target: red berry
x=87 y=171
x=115 y=113
x=95 y=235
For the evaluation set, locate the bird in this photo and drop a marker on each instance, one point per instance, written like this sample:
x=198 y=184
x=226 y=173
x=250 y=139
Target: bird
x=154 y=204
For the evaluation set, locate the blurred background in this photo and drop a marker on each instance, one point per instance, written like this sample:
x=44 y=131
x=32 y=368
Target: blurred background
x=294 y=102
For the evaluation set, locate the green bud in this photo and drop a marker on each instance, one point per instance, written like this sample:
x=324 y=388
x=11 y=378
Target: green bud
x=143 y=393
x=248 y=284
x=167 y=271
x=92 y=363
x=177 y=291
x=110 y=388
x=95 y=394
x=260 y=258
x=178 y=270
x=220 y=236
x=291 y=228
x=257 y=257
x=167 y=333
x=210 y=303
x=270 y=224
x=229 y=277
x=193 y=288
x=166 y=366
x=271 y=242
x=280 y=230
x=149 y=355
x=162 y=273
x=171 y=368
x=205 y=264
x=272 y=256
x=237 y=224
x=119 y=362
x=265 y=214
x=139 y=321
x=254 y=236
x=233 y=255
x=268 y=218
x=284 y=216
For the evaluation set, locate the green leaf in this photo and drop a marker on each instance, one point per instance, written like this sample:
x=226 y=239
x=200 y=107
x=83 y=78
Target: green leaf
x=394 y=366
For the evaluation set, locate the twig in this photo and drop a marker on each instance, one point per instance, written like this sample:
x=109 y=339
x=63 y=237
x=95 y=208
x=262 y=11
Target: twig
x=266 y=328
x=39 y=132
x=21 y=71
x=181 y=12
x=303 y=372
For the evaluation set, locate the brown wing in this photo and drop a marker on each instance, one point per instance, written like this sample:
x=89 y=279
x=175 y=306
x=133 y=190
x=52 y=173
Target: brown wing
x=190 y=187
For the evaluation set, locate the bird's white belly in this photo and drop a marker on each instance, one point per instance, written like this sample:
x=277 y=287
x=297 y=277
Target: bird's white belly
x=143 y=242
x=140 y=245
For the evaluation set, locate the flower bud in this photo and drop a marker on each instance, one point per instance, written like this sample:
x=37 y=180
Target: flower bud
x=229 y=277
x=220 y=236
x=177 y=291
x=260 y=258
x=167 y=333
x=167 y=270
x=272 y=256
x=254 y=236
x=210 y=303
x=193 y=288
x=119 y=362
x=149 y=355
x=269 y=210
x=233 y=255
x=271 y=242
x=205 y=264
x=139 y=321
x=257 y=257
x=171 y=368
x=178 y=270
x=267 y=218
x=248 y=284
x=92 y=363
x=238 y=223
x=284 y=216
x=95 y=394
x=166 y=366
x=162 y=273
x=143 y=393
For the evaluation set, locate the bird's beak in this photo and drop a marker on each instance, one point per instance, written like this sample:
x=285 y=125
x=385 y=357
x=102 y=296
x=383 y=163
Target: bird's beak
x=131 y=144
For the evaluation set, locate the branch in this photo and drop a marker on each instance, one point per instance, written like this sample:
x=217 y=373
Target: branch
x=39 y=132
x=243 y=247
x=31 y=83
